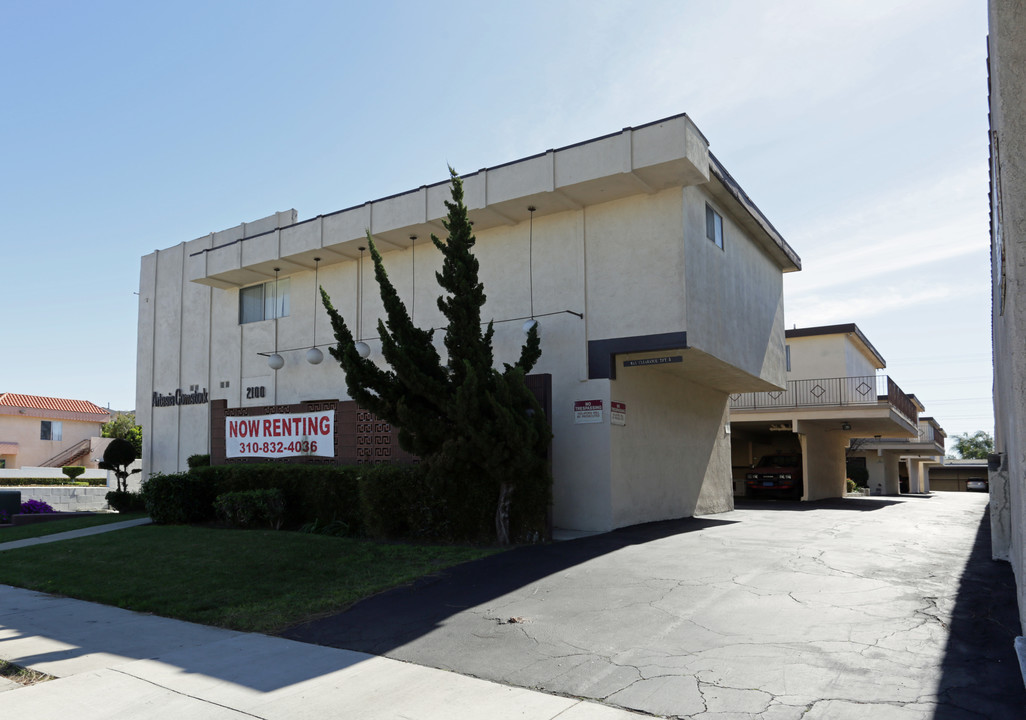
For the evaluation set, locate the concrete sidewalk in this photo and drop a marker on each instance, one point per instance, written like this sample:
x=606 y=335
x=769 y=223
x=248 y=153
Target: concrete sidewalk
x=71 y=534
x=112 y=663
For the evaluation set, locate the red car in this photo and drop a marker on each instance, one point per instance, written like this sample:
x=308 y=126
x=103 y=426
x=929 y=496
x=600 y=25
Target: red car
x=776 y=476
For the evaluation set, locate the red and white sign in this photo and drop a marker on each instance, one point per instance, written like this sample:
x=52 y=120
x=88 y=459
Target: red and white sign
x=278 y=436
x=587 y=411
x=617 y=413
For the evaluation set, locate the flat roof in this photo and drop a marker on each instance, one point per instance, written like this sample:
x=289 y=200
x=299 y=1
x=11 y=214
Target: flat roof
x=645 y=158
x=842 y=329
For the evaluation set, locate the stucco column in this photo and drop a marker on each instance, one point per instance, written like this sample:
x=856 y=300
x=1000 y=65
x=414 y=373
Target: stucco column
x=891 y=484
x=915 y=477
x=822 y=460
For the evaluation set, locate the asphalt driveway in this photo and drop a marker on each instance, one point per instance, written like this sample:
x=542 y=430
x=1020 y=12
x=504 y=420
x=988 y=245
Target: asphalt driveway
x=865 y=608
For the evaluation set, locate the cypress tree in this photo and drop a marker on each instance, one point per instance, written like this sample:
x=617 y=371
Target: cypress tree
x=479 y=430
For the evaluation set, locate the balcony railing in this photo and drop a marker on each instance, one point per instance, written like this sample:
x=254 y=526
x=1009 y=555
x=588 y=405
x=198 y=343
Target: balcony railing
x=827 y=392
x=930 y=433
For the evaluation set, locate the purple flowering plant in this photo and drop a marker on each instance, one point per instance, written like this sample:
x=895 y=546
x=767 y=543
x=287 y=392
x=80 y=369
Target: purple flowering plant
x=4 y=519
x=35 y=506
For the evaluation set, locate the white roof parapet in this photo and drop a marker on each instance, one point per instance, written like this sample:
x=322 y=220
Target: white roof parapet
x=646 y=159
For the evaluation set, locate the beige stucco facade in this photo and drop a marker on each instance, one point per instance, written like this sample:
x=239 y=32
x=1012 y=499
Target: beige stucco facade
x=1007 y=45
x=636 y=305
x=886 y=457
x=22 y=443
x=833 y=395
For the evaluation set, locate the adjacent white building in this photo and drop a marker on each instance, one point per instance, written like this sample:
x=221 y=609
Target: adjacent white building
x=656 y=281
x=1007 y=45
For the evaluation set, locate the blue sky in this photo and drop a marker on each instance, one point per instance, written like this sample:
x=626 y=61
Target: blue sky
x=860 y=130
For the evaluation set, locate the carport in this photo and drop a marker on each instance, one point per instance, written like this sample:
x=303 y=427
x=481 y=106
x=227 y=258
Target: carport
x=819 y=418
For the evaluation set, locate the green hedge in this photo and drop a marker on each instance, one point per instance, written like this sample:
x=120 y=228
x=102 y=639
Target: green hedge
x=51 y=481
x=124 y=501
x=178 y=499
x=378 y=501
x=251 y=508
x=320 y=494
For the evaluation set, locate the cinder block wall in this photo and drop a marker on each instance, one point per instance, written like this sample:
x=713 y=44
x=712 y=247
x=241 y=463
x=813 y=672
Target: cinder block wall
x=65 y=498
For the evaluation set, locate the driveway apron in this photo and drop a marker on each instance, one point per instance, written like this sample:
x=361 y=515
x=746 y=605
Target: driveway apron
x=858 y=608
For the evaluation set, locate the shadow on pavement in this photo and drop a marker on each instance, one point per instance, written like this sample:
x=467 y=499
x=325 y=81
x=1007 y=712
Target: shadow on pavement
x=980 y=673
x=859 y=504
x=396 y=617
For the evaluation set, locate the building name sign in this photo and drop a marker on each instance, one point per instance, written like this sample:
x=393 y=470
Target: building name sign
x=654 y=361
x=181 y=398
x=280 y=435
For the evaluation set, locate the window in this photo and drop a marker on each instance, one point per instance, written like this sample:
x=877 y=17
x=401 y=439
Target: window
x=714 y=226
x=787 y=356
x=257 y=302
x=49 y=430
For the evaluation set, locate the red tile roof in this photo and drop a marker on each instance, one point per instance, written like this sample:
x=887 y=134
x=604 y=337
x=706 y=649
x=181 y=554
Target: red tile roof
x=46 y=403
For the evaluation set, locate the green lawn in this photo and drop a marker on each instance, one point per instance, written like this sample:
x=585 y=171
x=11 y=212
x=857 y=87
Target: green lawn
x=51 y=527
x=252 y=580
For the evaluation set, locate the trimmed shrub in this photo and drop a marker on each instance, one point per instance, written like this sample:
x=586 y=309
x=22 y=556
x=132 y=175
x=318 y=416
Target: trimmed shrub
x=318 y=494
x=195 y=461
x=124 y=501
x=178 y=499
x=73 y=471
x=250 y=508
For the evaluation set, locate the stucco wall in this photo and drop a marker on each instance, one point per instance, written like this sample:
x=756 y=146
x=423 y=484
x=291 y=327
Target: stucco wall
x=672 y=457
x=624 y=264
x=827 y=356
x=32 y=451
x=824 y=462
x=1007 y=43
x=735 y=301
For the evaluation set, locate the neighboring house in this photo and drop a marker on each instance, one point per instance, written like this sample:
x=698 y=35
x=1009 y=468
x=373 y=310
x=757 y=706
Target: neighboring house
x=1007 y=58
x=833 y=394
x=656 y=280
x=912 y=459
x=953 y=475
x=49 y=432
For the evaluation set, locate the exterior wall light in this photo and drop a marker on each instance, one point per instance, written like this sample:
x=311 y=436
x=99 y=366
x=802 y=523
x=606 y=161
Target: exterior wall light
x=530 y=269
x=276 y=362
x=845 y=426
x=313 y=355
x=362 y=348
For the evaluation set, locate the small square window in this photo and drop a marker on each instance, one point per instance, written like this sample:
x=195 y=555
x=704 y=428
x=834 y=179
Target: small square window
x=50 y=430
x=714 y=226
x=257 y=302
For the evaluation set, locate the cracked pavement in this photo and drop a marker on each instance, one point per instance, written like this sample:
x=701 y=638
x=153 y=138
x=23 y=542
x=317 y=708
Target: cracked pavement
x=859 y=608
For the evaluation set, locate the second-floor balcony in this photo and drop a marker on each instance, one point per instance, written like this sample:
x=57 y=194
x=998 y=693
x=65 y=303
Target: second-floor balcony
x=831 y=392
x=930 y=438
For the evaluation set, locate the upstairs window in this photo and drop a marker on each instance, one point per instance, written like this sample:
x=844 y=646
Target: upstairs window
x=258 y=302
x=714 y=226
x=50 y=430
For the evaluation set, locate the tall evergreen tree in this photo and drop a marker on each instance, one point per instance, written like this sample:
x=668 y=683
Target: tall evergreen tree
x=480 y=431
